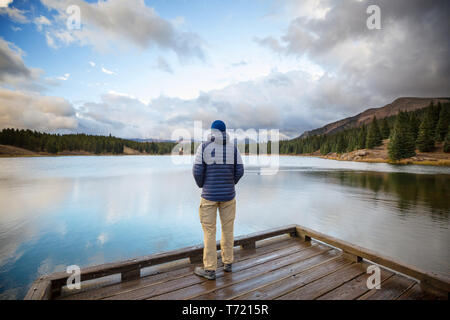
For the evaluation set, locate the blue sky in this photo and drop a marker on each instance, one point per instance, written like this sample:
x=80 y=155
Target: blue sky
x=145 y=68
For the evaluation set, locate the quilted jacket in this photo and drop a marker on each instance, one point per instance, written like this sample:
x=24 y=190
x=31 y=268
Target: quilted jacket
x=218 y=167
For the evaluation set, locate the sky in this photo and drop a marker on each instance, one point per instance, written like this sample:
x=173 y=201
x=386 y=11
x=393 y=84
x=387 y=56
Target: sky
x=142 y=69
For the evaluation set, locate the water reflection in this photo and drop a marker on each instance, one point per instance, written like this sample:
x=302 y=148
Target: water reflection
x=57 y=212
x=409 y=190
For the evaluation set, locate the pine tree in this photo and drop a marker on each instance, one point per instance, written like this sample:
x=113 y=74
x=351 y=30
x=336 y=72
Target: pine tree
x=362 y=137
x=401 y=143
x=341 y=144
x=384 y=128
x=447 y=141
x=373 y=135
x=325 y=148
x=425 y=139
x=443 y=123
x=414 y=125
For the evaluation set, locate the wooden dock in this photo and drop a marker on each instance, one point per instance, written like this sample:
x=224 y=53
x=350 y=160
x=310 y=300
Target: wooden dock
x=290 y=262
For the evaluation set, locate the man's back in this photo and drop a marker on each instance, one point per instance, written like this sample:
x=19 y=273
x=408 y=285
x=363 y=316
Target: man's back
x=218 y=167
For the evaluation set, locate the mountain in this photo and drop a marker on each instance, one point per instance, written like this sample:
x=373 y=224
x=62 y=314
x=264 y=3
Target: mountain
x=391 y=109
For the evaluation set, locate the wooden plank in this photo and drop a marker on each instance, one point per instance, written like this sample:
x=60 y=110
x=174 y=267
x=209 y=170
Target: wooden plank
x=428 y=278
x=298 y=280
x=241 y=270
x=236 y=289
x=59 y=279
x=206 y=288
x=325 y=284
x=289 y=229
x=417 y=293
x=354 y=288
x=391 y=289
x=288 y=245
x=40 y=290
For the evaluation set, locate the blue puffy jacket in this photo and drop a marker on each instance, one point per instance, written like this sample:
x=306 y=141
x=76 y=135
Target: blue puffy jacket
x=217 y=168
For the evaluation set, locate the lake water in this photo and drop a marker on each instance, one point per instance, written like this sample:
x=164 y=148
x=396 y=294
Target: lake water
x=60 y=211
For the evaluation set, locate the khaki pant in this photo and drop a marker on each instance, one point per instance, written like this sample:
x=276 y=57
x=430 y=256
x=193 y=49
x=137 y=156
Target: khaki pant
x=208 y=214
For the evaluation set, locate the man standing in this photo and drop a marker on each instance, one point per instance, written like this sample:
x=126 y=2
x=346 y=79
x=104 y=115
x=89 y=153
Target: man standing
x=217 y=168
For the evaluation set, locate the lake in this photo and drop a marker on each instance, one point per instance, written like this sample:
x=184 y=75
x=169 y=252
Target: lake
x=87 y=210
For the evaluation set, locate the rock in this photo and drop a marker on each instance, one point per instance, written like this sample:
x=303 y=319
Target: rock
x=362 y=153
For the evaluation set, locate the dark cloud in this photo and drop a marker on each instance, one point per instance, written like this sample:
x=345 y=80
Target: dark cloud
x=407 y=57
x=15 y=74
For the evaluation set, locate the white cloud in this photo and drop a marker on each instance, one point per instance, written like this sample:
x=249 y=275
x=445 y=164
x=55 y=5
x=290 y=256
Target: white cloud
x=15 y=29
x=92 y=64
x=5 y=3
x=41 y=21
x=50 y=41
x=14 y=14
x=104 y=70
x=65 y=77
x=111 y=23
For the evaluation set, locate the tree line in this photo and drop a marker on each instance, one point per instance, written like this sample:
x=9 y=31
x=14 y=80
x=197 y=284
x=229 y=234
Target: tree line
x=54 y=143
x=407 y=131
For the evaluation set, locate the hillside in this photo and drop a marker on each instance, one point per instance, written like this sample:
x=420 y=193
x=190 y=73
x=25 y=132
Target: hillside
x=380 y=154
x=365 y=117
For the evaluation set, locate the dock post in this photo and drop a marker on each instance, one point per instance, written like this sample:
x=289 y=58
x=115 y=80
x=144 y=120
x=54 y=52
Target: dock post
x=351 y=256
x=249 y=245
x=304 y=236
x=196 y=258
x=131 y=274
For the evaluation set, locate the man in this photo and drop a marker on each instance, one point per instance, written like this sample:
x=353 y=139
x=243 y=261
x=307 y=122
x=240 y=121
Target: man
x=217 y=168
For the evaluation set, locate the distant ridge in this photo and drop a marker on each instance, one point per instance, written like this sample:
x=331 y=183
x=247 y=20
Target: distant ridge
x=391 y=109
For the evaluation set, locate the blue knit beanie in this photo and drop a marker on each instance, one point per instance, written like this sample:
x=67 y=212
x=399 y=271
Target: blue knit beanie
x=219 y=125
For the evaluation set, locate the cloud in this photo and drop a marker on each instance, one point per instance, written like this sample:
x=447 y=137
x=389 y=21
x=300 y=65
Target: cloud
x=239 y=64
x=14 y=14
x=115 y=22
x=104 y=70
x=291 y=102
x=22 y=109
x=407 y=57
x=15 y=29
x=92 y=64
x=13 y=71
x=5 y=3
x=65 y=77
x=41 y=21
x=163 y=65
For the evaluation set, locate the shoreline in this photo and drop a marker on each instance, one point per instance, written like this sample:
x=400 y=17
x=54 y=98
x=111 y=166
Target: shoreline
x=377 y=155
